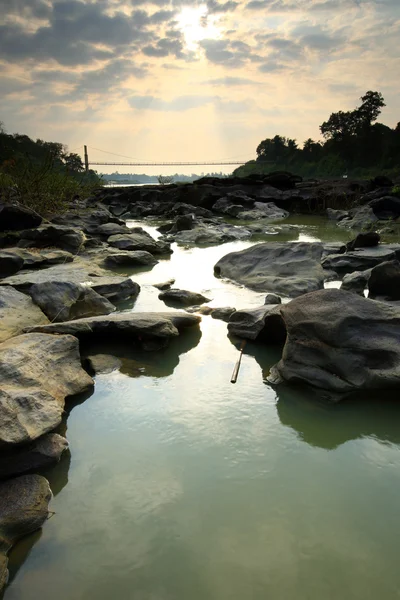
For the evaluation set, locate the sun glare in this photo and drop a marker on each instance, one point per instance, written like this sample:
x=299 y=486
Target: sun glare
x=196 y=25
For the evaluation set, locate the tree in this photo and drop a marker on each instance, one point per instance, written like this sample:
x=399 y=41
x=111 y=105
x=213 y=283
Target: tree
x=73 y=162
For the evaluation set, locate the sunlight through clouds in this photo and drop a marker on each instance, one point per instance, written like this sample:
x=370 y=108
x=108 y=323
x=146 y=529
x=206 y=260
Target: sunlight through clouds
x=197 y=24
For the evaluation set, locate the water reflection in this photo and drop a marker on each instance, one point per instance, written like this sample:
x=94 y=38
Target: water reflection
x=328 y=425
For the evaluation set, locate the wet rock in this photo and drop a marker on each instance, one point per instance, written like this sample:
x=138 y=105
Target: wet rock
x=102 y=363
x=272 y=299
x=37 y=373
x=368 y=239
x=17 y=311
x=224 y=313
x=202 y=310
x=384 y=281
x=15 y=218
x=10 y=264
x=116 y=289
x=361 y=259
x=66 y=238
x=340 y=342
x=360 y=218
x=65 y=300
x=336 y=215
x=138 y=240
x=264 y=324
x=182 y=223
x=42 y=453
x=290 y=269
x=206 y=234
x=130 y=259
x=182 y=297
x=165 y=285
x=356 y=282
x=264 y=210
x=149 y=331
x=24 y=505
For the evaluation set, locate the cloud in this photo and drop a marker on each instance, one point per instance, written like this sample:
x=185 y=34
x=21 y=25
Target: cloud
x=181 y=103
x=232 y=81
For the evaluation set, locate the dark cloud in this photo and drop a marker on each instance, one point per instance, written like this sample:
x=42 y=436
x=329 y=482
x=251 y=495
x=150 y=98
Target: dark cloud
x=165 y=47
x=36 y=9
x=215 y=7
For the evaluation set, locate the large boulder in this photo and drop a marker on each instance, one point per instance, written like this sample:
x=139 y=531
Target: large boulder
x=384 y=281
x=367 y=239
x=17 y=311
x=66 y=238
x=340 y=342
x=78 y=272
x=138 y=240
x=41 y=453
x=24 y=503
x=182 y=297
x=116 y=289
x=10 y=263
x=263 y=323
x=37 y=373
x=14 y=218
x=361 y=259
x=65 y=300
x=130 y=259
x=290 y=269
x=39 y=258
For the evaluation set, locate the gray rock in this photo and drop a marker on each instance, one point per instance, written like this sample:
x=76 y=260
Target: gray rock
x=24 y=508
x=360 y=259
x=225 y=206
x=165 y=285
x=264 y=324
x=10 y=263
x=205 y=234
x=336 y=215
x=66 y=238
x=108 y=229
x=361 y=218
x=42 y=453
x=356 y=282
x=14 y=217
x=333 y=248
x=130 y=259
x=264 y=210
x=103 y=363
x=37 y=372
x=182 y=223
x=17 y=311
x=272 y=299
x=340 y=342
x=182 y=297
x=290 y=269
x=368 y=239
x=224 y=313
x=64 y=300
x=116 y=289
x=77 y=272
x=138 y=240
x=385 y=281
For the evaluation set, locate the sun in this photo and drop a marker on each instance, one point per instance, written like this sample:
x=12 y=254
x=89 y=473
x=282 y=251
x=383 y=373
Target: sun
x=197 y=24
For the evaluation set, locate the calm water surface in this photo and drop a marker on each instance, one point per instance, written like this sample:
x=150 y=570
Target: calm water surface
x=180 y=485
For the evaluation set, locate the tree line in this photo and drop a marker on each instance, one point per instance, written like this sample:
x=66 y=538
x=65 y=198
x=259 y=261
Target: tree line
x=354 y=143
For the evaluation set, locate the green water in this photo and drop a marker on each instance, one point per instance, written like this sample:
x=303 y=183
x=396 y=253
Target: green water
x=180 y=485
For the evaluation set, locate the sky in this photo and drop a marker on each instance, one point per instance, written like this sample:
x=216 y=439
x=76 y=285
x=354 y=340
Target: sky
x=188 y=80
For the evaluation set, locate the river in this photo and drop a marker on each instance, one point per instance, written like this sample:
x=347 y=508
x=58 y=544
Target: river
x=180 y=485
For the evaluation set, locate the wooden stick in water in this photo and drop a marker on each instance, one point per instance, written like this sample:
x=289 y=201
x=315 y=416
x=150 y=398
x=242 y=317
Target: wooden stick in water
x=235 y=372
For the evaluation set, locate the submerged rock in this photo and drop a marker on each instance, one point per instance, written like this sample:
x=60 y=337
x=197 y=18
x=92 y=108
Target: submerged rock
x=182 y=297
x=102 y=363
x=165 y=285
x=37 y=373
x=340 y=342
x=24 y=503
x=264 y=323
x=290 y=269
x=42 y=453
x=17 y=311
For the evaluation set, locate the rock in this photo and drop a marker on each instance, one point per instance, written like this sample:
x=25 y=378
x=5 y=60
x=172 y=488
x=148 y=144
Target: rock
x=37 y=372
x=165 y=285
x=206 y=234
x=336 y=215
x=116 y=289
x=42 y=453
x=356 y=282
x=10 y=264
x=202 y=310
x=15 y=218
x=149 y=331
x=364 y=240
x=225 y=206
x=264 y=210
x=381 y=181
x=340 y=342
x=24 y=505
x=384 y=281
x=88 y=220
x=386 y=207
x=130 y=259
x=333 y=248
x=290 y=269
x=65 y=300
x=182 y=223
x=272 y=299
x=138 y=240
x=264 y=323
x=108 y=229
x=224 y=313
x=102 y=363
x=361 y=218
x=46 y=236
x=182 y=297
x=361 y=259
x=17 y=311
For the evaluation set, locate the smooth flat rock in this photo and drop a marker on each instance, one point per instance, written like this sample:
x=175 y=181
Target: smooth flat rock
x=78 y=272
x=130 y=259
x=37 y=373
x=65 y=301
x=182 y=297
x=24 y=508
x=17 y=311
x=341 y=342
x=361 y=259
x=42 y=453
x=288 y=268
x=263 y=323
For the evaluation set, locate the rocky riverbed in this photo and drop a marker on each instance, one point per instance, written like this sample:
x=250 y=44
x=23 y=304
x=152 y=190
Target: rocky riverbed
x=69 y=283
